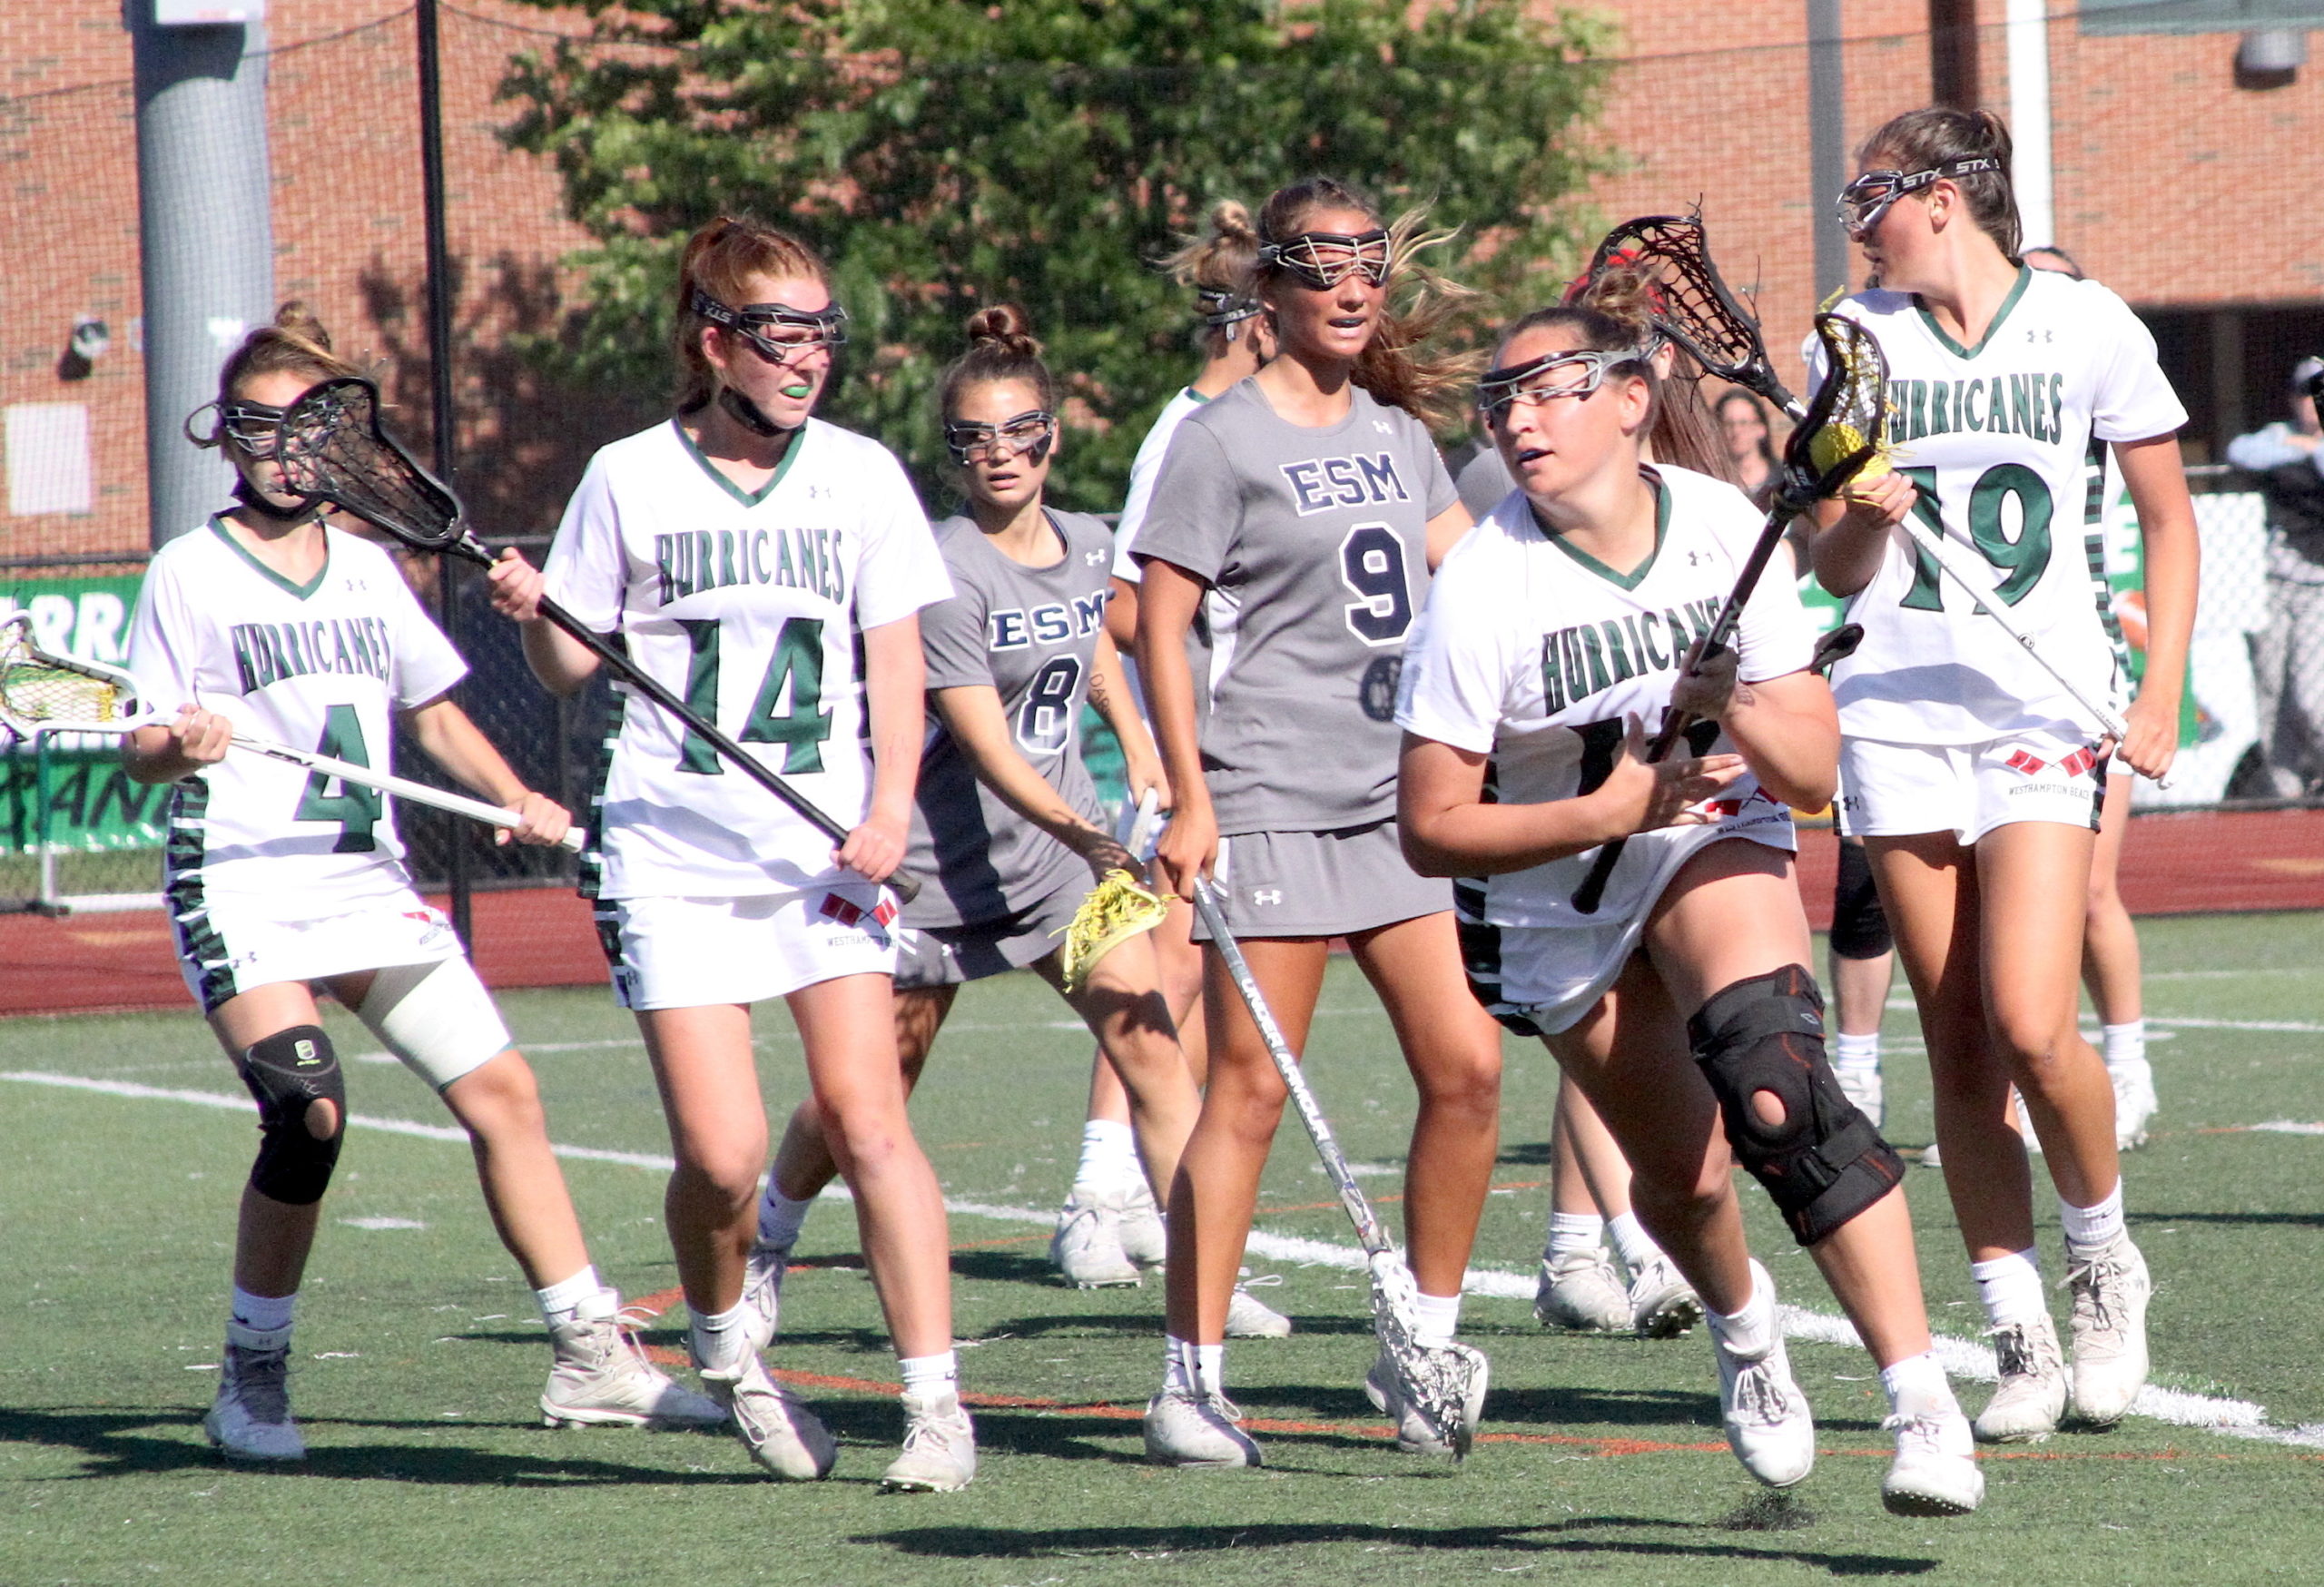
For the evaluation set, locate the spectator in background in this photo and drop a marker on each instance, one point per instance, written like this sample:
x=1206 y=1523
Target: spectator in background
x=1751 y=446
x=2288 y=656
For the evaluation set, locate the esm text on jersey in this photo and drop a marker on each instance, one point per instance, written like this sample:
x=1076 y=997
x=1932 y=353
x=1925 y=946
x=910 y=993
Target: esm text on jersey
x=1321 y=484
x=1580 y=661
x=1053 y=623
x=689 y=562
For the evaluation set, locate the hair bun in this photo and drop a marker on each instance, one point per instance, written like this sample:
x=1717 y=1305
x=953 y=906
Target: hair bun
x=299 y=321
x=1231 y=223
x=1004 y=328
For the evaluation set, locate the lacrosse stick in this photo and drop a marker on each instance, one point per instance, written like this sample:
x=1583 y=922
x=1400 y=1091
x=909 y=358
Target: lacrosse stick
x=1694 y=307
x=1839 y=435
x=41 y=691
x=334 y=449
x=1434 y=1380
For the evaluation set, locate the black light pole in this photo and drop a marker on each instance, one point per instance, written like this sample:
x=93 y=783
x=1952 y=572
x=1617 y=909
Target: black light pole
x=439 y=367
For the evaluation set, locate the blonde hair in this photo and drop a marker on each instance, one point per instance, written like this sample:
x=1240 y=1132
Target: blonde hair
x=296 y=344
x=719 y=261
x=1218 y=267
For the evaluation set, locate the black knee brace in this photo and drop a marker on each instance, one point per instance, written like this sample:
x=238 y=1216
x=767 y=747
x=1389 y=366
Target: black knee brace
x=287 y=1073
x=1823 y=1162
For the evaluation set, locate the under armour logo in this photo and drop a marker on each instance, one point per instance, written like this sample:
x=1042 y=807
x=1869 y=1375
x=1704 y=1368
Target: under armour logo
x=1092 y=558
x=1266 y=895
x=1697 y=558
x=2040 y=333
x=1383 y=426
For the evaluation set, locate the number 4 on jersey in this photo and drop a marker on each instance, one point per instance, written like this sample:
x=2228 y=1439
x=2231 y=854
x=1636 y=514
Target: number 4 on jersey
x=796 y=669
x=355 y=807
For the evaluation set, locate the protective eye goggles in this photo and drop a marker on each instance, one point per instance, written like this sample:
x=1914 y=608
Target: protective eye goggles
x=1028 y=436
x=1547 y=379
x=1220 y=308
x=1321 y=261
x=254 y=428
x=1862 y=201
x=777 y=333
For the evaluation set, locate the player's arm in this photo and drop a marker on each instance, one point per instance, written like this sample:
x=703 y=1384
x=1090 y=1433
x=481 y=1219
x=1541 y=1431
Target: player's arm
x=456 y=744
x=972 y=714
x=1169 y=597
x=2171 y=557
x=1787 y=728
x=895 y=674
x=1110 y=693
x=1445 y=532
x=562 y=662
x=1852 y=533
x=198 y=738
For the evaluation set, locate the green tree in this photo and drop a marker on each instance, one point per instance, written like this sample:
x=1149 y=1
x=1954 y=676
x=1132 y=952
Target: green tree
x=945 y=155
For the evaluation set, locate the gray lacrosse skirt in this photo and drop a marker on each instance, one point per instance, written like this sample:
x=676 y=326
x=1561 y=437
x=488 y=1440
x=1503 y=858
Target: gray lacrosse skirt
x=929 y=956
x=1320 y=884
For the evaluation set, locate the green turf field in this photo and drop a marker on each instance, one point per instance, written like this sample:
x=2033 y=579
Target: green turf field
x=419 y=1357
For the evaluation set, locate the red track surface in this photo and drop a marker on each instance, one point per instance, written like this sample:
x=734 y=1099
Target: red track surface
x=2173 y=865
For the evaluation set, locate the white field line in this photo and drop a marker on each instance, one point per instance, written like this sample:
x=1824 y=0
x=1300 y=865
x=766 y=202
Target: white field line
x=1960 y=1358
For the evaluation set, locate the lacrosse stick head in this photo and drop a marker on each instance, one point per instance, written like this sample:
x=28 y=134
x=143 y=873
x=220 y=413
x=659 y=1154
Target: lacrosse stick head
x=1691 y=304
x=1436 y=1382
x=43 y=693
x=332 y=449
x=1845 y=426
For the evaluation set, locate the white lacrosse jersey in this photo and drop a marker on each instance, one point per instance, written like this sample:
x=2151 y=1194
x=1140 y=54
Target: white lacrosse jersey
x=1998 y=437
x=1536 y=656
x=747 y=606
x=323 y=667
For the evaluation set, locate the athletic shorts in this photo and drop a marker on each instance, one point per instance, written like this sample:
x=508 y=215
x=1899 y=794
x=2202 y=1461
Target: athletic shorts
x=1320 y=884
x=1539 y=981
x=1859 y=923
x=230 y=942
x=692 y=953
x=929 y=956
x=1898 y=790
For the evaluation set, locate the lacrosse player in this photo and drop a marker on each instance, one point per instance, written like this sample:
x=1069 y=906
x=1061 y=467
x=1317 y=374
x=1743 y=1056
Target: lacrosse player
x=1566 y=621
x=268 y=621
x=1311 y=500
x=748 y=553
x=1974 y=771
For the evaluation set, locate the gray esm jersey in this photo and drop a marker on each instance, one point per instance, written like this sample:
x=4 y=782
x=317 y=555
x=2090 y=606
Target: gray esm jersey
x=1031 y=634
x=1315 y=541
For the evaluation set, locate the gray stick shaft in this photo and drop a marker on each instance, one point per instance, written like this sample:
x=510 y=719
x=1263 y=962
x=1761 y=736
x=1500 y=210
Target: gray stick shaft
x=1311 y=1114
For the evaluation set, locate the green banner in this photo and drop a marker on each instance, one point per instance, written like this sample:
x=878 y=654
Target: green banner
x=70 y=794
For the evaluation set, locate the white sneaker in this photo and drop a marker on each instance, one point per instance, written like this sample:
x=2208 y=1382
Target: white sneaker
x=2135 y=1103
x=601 y=1378
x=2031 y=1397
x=778 y=1429
x=1860 y=1084
x=1930 y=1159
x=1145 y=1239
x=1088 y=1244
x=763 y=1272
x=1936 y=1469
x=1582 y=1292
x=1184 y=1428
x=1414 y=1434
x=1663 y=1304
x=1248 y=1317
x=251 y=1418
x=1768 y=1424
x=939 y=1453
x=2111 y=1288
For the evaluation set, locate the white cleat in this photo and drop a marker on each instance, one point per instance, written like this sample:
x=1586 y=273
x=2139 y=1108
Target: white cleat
x=1768 y=1424
x=1581 y=1291
x=2111 y=1288
x=1930 y=1158
x=601 y=1378
x=1145 y=1239
x=1088 y=1244
x=1860 y=1084
x=763 y=1272
x=1248 y=1317
x=940 y=1455
x=1936 y=1469
x=1663 y=1304
x=781 y=1433
x=2031 y=1397
x=1414 y=1434
x=2135 y=1103
x=1203 y=1432
x=251 y=1418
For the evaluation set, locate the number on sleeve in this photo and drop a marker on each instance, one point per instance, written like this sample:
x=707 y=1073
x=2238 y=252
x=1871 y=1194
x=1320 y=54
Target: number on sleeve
x=1372 y=565
x=1045 y=721
x=355 y=807
x=796 y=668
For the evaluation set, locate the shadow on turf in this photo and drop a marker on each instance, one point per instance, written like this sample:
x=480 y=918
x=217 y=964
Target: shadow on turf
x=1549 y=1538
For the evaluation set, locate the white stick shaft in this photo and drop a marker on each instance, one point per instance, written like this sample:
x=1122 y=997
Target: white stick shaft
x=401 y=787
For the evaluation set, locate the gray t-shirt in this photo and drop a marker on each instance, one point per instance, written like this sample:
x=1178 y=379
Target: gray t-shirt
x=1317 y=542
x=1030 y=633
x=1485 y=480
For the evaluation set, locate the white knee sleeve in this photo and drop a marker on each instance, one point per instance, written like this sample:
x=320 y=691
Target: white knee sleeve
x=436 y=1017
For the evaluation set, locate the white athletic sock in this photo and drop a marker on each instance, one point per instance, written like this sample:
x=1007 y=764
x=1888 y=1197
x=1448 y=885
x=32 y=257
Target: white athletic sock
x=2010 y=1288
x=780 y=1218
x=1748 y=1331
x=1919 y=1381
x=928 y=1374
x=1435 y=1318
x=1177 y=1364
x=2125 y=1044
x=558 y=1301
x=1633 y=1244
x=264 y=1314
x=1210 y=1368
x=1856 y=1052
x=719 y=1341
x=1572 y=1234
x=2089 y=1227
x=1109 y=1156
